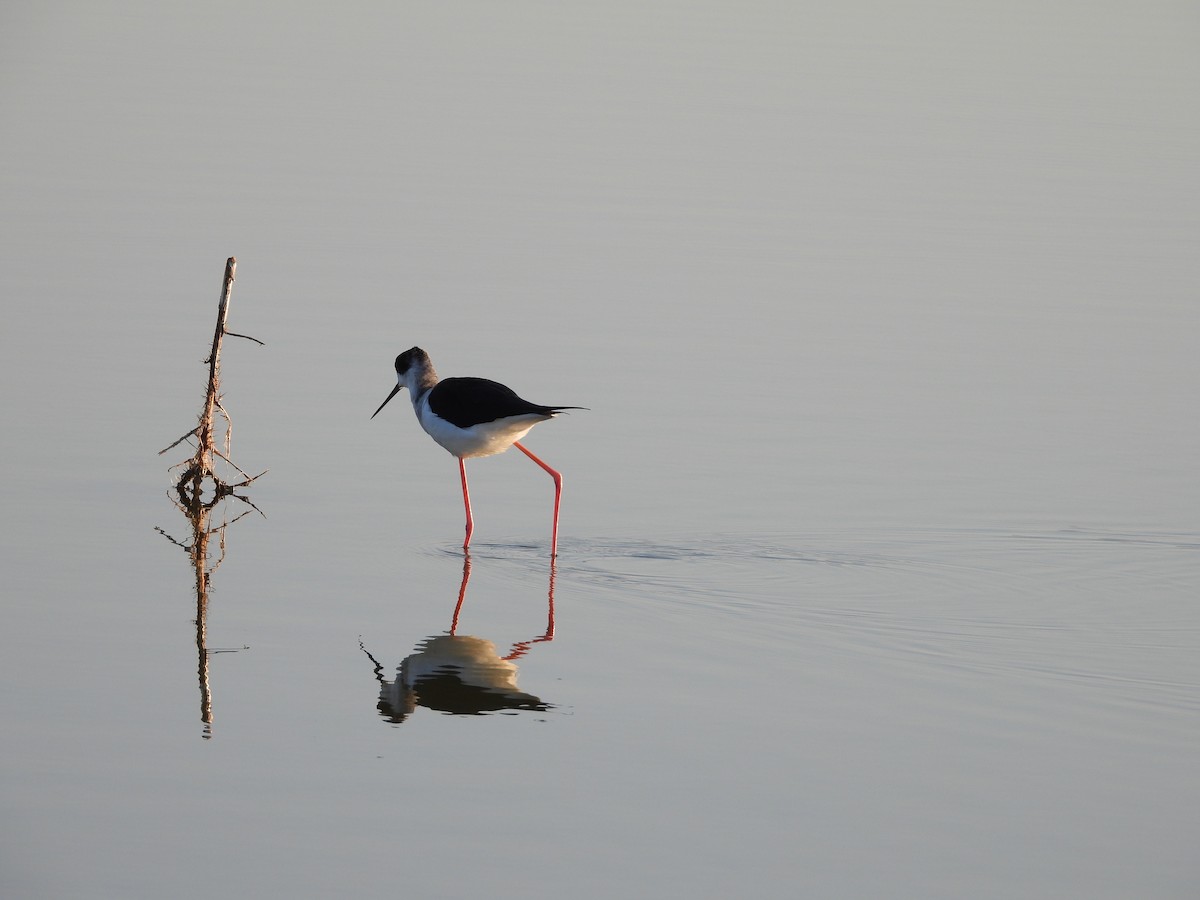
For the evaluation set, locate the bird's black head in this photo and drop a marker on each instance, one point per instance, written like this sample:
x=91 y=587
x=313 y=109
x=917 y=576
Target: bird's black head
x=413 y=371
x=409 y=358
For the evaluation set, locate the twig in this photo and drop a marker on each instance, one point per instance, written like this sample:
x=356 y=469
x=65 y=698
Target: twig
x=247 y=337
x=228 y=432
x=235 y=465
x=248 y=502
x=191 y=433
x=171 y=539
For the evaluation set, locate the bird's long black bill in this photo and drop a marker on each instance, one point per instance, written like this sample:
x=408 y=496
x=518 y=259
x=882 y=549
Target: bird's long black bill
x=394 y=392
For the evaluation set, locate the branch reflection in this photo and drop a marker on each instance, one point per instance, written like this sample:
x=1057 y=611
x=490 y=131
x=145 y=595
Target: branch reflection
x=460 y=674
x=199 y=514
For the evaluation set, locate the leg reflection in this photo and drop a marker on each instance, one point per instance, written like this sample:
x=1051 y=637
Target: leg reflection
x=460 y=674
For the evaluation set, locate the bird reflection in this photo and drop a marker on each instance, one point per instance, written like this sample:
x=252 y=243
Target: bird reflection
x=459 y=674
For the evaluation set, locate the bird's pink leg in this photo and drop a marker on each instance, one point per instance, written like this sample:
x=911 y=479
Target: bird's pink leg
x=462 y=470
x=557 y=476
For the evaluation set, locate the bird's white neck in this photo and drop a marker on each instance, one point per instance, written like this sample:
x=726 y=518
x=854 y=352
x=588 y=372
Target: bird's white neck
x=420 y=379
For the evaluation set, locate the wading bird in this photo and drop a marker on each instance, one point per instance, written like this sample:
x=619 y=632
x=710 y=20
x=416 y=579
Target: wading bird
x=472 y=417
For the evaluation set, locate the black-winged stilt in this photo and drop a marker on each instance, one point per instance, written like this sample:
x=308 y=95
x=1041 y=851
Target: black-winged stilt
x=472 y=417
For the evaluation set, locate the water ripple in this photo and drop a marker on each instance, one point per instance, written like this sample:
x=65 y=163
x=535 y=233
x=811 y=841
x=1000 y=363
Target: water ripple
x=1105 y=611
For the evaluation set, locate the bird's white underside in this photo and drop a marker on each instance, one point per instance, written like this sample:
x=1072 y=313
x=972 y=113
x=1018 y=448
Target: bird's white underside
x=485 y=439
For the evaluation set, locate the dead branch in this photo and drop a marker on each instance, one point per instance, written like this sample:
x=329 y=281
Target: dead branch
x=200 y=470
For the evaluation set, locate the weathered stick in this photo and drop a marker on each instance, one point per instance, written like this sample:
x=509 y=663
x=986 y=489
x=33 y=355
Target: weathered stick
x=202 y=465
x=204 y=453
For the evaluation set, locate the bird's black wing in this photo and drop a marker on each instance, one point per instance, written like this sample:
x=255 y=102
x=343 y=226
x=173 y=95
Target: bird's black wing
x=472 y=401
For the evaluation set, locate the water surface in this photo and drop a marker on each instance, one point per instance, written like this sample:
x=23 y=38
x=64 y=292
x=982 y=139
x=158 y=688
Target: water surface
x=879 y=547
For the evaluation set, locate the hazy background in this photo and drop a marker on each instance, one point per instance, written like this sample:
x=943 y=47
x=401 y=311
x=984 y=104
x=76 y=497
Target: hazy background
x=879 y=544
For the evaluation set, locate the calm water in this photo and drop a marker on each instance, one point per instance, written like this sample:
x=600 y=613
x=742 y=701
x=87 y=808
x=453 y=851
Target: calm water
x=879 y=550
